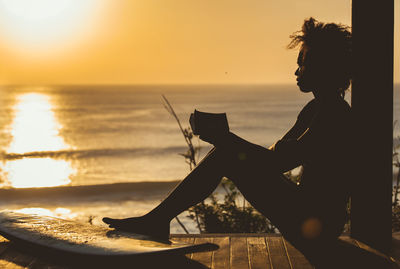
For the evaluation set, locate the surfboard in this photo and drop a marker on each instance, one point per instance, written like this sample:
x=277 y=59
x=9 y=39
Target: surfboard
x=66 y=237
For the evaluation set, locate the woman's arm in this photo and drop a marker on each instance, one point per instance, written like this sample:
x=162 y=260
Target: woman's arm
x=287 y=149
x=322 y=136
x=283 y=156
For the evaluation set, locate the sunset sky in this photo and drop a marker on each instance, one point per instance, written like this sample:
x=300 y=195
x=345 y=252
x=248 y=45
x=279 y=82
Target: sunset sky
x=156 y=42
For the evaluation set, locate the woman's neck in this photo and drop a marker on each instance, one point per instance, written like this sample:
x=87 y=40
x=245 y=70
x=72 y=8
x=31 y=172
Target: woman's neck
x=326 y=94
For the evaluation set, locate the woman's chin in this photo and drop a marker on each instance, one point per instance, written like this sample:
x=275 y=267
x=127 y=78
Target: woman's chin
x=303 y=88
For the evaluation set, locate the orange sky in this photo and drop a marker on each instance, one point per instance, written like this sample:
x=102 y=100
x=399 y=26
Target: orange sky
x=153 y=41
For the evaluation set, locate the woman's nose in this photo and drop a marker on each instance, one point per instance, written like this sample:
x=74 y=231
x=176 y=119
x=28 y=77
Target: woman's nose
x=297 y=72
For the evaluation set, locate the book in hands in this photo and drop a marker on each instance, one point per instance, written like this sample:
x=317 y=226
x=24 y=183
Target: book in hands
x=204 y=123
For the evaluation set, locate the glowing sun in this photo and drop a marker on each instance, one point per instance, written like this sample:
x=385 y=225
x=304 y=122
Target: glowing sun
x=45 y=23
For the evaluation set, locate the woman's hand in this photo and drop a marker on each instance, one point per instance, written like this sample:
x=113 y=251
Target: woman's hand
x=211 y=128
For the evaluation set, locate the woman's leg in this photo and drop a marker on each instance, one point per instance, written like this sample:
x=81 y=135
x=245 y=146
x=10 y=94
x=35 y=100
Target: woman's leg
x=252 y=173
x=196 y=187
x=268 y=192
x=293 y=213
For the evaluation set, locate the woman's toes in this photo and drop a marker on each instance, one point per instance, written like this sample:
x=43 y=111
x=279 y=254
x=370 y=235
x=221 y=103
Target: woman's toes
x=108 y=220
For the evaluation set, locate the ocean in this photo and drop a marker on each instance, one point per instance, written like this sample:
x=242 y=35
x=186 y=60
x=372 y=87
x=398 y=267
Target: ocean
x=84 y=152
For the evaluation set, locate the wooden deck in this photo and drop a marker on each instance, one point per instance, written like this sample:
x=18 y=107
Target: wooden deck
x=237 y=251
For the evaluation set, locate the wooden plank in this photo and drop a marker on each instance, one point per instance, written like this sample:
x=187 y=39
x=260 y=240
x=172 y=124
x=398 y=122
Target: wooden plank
x=296 y=258
x=213 y=235
x=4 y=244
x=11 y=257
x=189 y=240
x=221 y=257
x=239 y=254
x=277 y=252
x=7 y=259
x=203 y=257
x=22 y=259
x=178 y=236
x=258 y=254
x=41 y=264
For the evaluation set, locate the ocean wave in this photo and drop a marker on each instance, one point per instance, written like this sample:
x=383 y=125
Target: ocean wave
x=131 y=190
x=90 y=153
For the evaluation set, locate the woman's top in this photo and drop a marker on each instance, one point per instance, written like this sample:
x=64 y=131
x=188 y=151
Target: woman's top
x=321 y=141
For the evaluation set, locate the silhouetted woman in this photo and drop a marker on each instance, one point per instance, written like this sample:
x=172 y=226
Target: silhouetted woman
x=309 y=214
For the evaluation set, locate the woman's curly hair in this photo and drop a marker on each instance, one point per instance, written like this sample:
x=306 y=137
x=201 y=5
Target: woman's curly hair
x=332 y=44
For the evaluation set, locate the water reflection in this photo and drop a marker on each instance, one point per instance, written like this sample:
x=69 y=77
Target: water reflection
x=59 y=212
x=35 y=129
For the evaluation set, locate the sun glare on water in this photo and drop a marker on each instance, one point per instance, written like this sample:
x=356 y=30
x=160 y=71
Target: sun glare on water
x=35 y=127
x=35 y=130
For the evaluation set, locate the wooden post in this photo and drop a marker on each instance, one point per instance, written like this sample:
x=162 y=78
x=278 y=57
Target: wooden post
x=372 y=102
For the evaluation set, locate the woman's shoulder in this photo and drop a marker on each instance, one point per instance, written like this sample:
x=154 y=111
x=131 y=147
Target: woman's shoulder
x=311 y=104
x=328 y=111
x=308 y=110
x=344 y=109
x=338 y=107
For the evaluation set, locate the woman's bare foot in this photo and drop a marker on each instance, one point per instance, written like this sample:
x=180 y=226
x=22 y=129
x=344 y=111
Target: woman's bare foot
x=140 y=225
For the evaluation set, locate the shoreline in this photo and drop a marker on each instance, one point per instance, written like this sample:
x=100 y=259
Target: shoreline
x=86 y=191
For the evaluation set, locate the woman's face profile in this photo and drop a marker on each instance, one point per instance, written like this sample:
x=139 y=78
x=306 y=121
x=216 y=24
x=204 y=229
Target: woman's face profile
x=315 y=73
x=306 y=77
